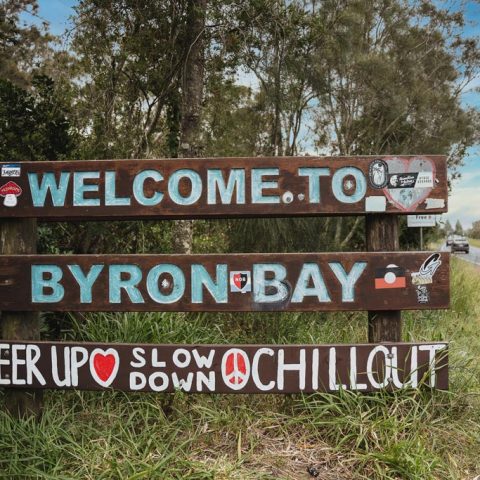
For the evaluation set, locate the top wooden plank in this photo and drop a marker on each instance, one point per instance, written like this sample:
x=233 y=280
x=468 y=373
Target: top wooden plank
x=223 y=187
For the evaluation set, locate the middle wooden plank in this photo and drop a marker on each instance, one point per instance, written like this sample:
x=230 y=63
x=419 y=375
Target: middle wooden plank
x=231 y=282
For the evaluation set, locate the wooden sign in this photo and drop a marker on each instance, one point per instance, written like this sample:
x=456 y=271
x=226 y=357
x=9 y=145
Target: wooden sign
x=223 y=187
x=233 y=282
x=223 y=368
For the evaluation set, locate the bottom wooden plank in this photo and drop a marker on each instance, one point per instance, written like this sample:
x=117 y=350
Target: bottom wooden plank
x=223 y=368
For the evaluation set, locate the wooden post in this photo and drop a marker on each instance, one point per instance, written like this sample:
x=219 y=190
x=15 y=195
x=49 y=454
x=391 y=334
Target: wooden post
x=382 y=235
x=19 y=236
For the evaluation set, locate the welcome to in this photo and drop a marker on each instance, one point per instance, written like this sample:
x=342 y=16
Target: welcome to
x=46 y=185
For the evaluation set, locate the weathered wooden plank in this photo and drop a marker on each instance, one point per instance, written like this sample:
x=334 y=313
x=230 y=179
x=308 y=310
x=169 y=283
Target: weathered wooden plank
x=233 y=282
x=224 y=187
x=223 y=368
